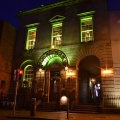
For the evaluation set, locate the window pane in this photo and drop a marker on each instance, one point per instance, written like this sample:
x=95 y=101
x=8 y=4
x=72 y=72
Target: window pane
x=86 y=29
x=28 y=75
x=57 y=35
x=31 y=37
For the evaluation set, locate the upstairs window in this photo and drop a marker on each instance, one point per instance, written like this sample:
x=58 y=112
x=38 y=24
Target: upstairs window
x=31 y=38
x=57 y=34
x=86 y=26
x=31 y=35
x=86 y=29
x=28 y=76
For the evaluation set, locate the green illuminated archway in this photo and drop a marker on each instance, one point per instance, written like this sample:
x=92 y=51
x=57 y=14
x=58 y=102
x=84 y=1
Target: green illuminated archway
x=52 y=55
x=26 y=62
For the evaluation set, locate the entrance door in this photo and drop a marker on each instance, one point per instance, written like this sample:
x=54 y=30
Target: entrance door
x=89 y=80
x=54 y=84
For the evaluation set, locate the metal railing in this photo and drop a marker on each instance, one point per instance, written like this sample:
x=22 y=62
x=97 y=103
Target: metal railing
x=111 y=101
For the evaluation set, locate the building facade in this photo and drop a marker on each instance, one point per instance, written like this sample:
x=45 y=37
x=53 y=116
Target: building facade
x=66 y=48
x=7 y=42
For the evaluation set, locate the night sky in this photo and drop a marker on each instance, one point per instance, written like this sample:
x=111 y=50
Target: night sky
x=10 y=8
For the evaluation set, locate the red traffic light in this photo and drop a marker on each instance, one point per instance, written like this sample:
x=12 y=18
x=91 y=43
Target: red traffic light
x=20 y=72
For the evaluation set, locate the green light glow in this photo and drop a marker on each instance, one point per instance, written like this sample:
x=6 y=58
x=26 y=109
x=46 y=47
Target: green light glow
x=25 y=71
x=26 y=63
x=32 y=25
x=86 y=29
x=86 y=13
x=55 y=59
x=50 y=59
x=88 y=18
x=53 y=53
x=31 y=37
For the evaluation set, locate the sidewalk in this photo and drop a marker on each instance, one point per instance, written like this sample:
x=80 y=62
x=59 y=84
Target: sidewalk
x=58 y=115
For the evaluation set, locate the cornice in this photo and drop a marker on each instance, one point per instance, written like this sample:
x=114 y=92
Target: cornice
x=50 y=6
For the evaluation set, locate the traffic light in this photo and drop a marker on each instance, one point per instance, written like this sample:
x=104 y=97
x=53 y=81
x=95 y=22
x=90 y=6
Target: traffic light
x=20 y=73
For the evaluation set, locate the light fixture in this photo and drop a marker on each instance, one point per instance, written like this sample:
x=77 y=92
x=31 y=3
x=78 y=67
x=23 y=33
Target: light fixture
x=107 y=72
x=63 y=100
x=53 y=47
x=40 y=70
x=66 y=68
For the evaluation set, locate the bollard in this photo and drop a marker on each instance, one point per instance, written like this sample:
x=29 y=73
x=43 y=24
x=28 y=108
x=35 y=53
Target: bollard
x=33 y=107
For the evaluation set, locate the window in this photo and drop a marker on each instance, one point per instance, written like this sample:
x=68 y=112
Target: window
x=86 y=22
x=57 y=34
x=28 y=76
x=31 y=38
x=86 y=29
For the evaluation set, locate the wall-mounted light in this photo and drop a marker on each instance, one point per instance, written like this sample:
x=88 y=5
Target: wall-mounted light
x=107 y=72
x=40 y=70
x=52 y=46
x=71 y=73
x=66 y=68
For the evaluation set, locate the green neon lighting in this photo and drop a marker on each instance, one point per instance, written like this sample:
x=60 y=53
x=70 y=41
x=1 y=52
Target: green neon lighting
x=48 y=58
x=32 y=29
x=25 y=71
x=53 y=53
x=27 y=61
x=86 y=29
x=32 y=25
x=86 y=13
x=55 y=59
x=55 y=25
x=84 y=19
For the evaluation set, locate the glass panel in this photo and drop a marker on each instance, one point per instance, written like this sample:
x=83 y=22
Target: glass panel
x=31 y=38
x=86 y=29
x=57 y=35
x=28 y=76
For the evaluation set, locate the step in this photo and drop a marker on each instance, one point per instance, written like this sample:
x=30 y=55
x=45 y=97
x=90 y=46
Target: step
x=86 y=109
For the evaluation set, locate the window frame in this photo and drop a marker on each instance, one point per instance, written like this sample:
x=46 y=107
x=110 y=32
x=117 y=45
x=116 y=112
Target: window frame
x=28 y=78
x=87 y=32
x=31 y=27
x=34 y=29
x=86 y=15
x=58 y=43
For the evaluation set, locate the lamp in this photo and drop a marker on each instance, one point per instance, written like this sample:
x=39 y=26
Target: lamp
x=107 y=72
x=66 y=68
x=40 y=70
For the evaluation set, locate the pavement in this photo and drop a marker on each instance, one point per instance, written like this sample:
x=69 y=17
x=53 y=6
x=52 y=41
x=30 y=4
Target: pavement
x=61 y=115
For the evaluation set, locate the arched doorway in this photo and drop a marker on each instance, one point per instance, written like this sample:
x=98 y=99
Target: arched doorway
x=89 y=80
x=53 y=62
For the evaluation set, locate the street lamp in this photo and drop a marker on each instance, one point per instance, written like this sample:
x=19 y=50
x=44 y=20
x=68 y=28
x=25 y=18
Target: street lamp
x=66 y=69
x=17 y=75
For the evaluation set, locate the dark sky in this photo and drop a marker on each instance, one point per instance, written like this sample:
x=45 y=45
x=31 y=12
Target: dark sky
x=10 y=8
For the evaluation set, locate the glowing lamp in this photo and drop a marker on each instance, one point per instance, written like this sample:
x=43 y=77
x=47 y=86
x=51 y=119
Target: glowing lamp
x=63 y=100
x=107 y=72
x=40 y=70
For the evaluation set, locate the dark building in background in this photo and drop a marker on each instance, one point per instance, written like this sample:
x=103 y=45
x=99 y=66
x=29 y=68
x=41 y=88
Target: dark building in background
x=7 y=43
x=66 y=48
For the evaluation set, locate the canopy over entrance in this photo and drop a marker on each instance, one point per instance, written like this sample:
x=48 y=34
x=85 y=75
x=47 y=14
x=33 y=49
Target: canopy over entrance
x=51 y=56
